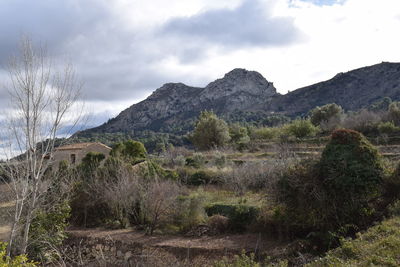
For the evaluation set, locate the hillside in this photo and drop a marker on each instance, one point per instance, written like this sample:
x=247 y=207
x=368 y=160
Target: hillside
x=247 y=94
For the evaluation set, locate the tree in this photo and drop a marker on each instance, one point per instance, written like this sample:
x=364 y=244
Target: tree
x=326 y=113
x=210 y=131
x=301 y=128
x=42 y=97
x=394 y=113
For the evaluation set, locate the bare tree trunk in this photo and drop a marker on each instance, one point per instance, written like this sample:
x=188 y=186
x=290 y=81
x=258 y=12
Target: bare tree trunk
x=42 y=98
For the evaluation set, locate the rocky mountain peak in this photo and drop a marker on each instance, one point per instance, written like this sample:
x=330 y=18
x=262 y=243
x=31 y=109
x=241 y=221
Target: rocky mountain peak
x=238 y=82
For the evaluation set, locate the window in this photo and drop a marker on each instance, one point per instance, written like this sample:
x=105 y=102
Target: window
x=73 y=158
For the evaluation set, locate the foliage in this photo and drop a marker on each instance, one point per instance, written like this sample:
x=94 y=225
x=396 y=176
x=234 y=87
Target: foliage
x=325 y=113
x=239 y=135
x=48 y=231
x=200 y=177
x=394 y=113
x=197 y=160
x=191 y=211
x=210 y=132
x=241 y=260
x=379 y=246
x=301 y=128
x=92 y=160
x=266 y=133
x=240 y=215
x=130 y=150
x=334 y=196
x=364 y=121
x=381 y=105
x=388 y=128
x=352 y=173
x=158 y=204
x=17 y=261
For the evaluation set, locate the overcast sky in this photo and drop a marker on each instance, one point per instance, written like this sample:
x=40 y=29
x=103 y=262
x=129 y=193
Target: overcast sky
x=125 y=49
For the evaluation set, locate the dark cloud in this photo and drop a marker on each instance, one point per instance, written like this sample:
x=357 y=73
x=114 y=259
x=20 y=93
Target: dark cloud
x=113 y=62
x=250 y=24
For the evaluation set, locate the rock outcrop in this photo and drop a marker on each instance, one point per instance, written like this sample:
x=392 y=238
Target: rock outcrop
x=240 y=90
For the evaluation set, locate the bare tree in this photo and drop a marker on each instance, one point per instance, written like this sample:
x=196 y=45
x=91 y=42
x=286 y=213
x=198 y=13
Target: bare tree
x=42 y=99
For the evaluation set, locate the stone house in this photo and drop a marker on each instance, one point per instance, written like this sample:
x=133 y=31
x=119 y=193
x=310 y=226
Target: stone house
x=74 y=153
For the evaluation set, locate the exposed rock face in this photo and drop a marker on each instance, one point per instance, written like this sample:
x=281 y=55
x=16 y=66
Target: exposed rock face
x=242 y=90
x=237 y=90
x=352 y=90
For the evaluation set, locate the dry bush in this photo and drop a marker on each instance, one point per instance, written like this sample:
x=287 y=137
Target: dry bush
x=175 y=156
x=218 y=223
x=159 y=203
x=364 y=121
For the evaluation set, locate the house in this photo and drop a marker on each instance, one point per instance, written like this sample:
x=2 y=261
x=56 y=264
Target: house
x=74 y=153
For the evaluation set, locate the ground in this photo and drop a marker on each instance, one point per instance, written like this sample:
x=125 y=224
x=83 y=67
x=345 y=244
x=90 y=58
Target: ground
x=6 y=207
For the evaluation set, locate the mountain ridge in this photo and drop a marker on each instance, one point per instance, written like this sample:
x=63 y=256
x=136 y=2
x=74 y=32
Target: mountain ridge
x=241 y=90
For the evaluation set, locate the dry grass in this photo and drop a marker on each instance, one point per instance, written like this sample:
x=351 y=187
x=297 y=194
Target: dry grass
x=6 y=208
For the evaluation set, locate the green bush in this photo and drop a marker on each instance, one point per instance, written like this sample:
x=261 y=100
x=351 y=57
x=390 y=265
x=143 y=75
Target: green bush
x=210 y=132
x=352 y=174
x=241 y=260
x=240 y=215
x=266 y=133
x=388 y=128
x=201 y=177
x=48 y=232
x=379 y=246
x=197 y=160
x=132 y=151
x=301 y=128
x=334 y=196
x=325 y=113
x=191 y=211
x=17 y=261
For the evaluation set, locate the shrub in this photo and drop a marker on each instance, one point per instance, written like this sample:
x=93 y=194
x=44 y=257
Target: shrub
x=219 y=159
x=197 y=160
x=241 y=260
x=325 y=113
x=363 y=121
x=240 y=215
x=210 y=132
x=394 y=113
x=191 y=211
x=201 y=177
x=266 y=133
x=48 y=232
x=387 y=128
x=352 y=173
x=239 y=135
x=218 y=223
x=133 y=151
x=17 y=261
x=301 y=128
x=158 y=203
x=379 y=246
x=334 y=196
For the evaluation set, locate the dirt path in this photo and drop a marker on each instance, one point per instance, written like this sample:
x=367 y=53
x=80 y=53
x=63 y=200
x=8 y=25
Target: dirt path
x=234 y=242
x=6 y=208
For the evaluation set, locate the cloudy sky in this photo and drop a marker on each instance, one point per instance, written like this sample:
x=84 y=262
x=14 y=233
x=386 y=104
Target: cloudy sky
x=125 y=49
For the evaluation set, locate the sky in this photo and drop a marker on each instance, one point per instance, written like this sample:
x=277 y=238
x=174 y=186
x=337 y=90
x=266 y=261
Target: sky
x=123 y=50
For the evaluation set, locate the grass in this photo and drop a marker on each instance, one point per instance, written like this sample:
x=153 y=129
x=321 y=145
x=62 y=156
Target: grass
x=379 y=246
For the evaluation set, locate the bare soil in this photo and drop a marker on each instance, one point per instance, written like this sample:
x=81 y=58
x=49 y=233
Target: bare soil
x=6 y=208
x=232 y=242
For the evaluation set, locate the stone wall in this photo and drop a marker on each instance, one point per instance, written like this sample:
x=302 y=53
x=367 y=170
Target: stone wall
x=86 y=251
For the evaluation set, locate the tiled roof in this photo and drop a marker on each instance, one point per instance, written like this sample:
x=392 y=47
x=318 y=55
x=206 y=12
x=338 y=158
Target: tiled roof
x=79 y=146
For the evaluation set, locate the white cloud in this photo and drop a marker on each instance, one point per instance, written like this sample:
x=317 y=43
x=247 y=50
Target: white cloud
x=120 y=54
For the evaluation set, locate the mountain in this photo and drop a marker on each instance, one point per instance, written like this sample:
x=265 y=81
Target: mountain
x=175 y=106
x=238 y=90
x=352 y=90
